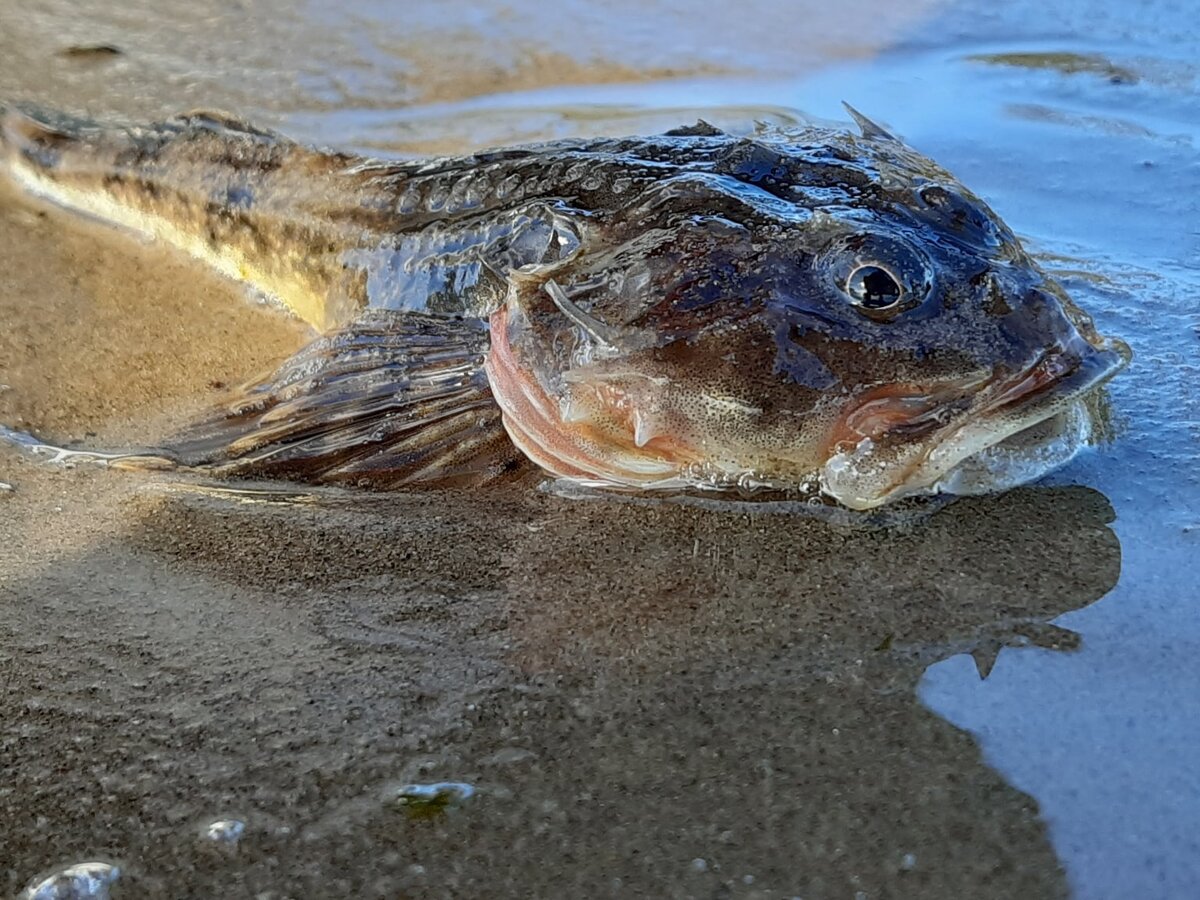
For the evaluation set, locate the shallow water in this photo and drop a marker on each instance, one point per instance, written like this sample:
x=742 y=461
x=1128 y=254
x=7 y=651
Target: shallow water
x=631 y=700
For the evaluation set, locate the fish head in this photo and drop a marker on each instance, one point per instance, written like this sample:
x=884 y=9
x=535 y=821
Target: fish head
x=815 y=311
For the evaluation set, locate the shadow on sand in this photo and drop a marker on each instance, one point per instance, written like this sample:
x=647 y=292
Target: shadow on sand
x=649 y=700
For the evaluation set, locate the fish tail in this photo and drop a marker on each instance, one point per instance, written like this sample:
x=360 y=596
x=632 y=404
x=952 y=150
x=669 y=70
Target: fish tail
x=247 y=201
x=33 y=138
x=68 y=149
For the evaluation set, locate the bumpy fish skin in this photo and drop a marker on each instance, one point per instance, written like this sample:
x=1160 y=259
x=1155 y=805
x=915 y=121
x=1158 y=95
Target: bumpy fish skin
x=806 y=308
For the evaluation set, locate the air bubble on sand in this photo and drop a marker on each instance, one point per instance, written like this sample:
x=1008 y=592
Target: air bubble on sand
x=81 y=881
x=226 y=832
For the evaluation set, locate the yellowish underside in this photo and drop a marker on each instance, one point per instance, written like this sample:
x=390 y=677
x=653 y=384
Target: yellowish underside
x=292 y=294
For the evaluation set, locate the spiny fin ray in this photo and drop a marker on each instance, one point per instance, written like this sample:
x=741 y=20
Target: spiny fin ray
x=394 y=398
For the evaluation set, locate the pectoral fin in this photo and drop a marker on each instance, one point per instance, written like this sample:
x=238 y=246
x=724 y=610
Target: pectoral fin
x=395 y=398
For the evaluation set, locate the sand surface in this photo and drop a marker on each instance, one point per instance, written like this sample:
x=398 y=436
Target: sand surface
x=649 y=700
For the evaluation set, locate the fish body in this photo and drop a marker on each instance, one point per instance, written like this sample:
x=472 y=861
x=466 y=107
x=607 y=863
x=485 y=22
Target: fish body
x=804 y=309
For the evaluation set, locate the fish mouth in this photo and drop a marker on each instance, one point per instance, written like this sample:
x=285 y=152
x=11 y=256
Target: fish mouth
x=973 y=435
x=969 y=436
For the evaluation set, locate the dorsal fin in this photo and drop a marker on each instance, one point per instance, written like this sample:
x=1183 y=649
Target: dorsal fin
x=869 y=129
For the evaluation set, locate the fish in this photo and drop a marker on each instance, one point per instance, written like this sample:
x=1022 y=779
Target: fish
x=813 y=310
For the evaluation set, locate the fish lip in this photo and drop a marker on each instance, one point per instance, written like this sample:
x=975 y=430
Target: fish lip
x=1005 y=405
x=1060 y=374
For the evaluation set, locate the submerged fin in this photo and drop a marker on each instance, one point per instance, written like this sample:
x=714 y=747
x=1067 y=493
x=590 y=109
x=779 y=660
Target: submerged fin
x=394 y=398
x=69 y=457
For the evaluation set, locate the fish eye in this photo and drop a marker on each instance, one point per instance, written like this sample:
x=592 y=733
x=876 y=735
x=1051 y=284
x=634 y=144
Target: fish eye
x=881 y=276
x=874 y=288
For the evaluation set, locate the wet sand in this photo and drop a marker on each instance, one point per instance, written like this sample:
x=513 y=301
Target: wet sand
x=629 y=689
x=650 y=700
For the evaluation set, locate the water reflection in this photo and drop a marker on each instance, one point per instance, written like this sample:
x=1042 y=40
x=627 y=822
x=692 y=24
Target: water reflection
x=679 y=700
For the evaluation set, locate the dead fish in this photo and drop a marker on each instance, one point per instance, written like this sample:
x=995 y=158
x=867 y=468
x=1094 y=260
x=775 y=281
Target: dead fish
x=797 y=309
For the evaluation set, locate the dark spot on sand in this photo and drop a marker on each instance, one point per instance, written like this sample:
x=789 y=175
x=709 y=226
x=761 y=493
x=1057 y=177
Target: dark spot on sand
x=91 y=51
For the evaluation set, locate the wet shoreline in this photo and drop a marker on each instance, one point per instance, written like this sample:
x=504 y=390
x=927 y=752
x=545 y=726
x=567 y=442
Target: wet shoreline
x=645 y=699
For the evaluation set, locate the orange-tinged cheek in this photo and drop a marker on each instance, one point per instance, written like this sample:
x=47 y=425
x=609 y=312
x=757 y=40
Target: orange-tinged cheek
x=625 y=417
x=597 y=429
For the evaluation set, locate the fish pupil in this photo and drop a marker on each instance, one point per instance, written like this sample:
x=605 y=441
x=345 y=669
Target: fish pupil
x=873 y=288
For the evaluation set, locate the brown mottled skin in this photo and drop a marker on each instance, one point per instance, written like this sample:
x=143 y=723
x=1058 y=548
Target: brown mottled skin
x=694 y=309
